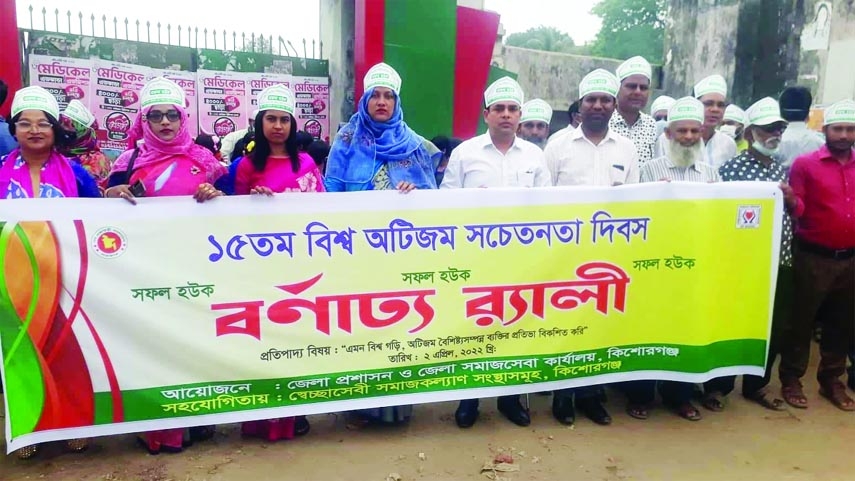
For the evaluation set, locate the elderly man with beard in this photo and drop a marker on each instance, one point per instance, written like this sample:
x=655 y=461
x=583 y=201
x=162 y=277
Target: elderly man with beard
x=591 y=155
x=534 y=122
x=633 y=95
x=683 y=162
x=763 y=131
x=824 y=210
x=684 y=159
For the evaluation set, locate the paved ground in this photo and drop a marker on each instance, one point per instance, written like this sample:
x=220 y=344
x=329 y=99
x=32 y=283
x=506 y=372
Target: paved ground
x=745 y=442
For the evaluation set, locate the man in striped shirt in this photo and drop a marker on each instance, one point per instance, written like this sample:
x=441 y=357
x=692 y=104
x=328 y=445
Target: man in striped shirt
x=684 y=152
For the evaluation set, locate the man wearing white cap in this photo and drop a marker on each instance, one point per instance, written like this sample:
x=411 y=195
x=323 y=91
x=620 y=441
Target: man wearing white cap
x=684 y=161
x=575 y=120
x=764 y=126
x=824 y=209
x=628 y=119
x=534 y=123
x=712 y=92
x=733 y=126
x=593 y=154
x=497 y=158
x=659 y=112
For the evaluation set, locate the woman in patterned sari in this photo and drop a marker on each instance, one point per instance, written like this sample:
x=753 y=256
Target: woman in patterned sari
x=84 y=150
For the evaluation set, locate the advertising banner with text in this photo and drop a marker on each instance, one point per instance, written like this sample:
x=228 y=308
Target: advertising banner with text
x=119 y=318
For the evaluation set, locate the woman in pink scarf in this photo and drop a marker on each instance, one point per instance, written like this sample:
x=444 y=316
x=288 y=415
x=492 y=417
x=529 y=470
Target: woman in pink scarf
x=275 y=166
x=166 y=163
x=37 y=169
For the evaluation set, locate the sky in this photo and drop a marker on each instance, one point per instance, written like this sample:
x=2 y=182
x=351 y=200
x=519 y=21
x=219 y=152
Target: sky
x=299 y=18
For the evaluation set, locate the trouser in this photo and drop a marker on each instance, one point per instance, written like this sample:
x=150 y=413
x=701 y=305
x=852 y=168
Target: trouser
x=782 y=311
x=584 y=393
x=639 y=392
x=676 y=393
x=824 y=284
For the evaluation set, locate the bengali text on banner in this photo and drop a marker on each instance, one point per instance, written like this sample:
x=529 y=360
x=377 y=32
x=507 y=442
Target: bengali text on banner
x=119 y=318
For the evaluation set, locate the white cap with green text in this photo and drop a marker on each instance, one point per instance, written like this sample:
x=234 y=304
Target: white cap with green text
x=842 y=112
x=765 y=111
x=505 y=89
x=162 y=91
x=35 y=98
x=599 y=82
x=536 y=109
x=382 y=75
x=686 y=108
x=276 y=97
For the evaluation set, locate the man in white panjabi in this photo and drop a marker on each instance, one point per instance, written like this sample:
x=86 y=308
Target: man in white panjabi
x=497 y=158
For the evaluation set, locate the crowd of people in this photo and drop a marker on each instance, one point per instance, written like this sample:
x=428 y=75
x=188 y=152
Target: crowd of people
x=610 y=142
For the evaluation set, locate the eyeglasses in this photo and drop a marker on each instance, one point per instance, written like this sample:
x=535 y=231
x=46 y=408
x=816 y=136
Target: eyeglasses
x=157 y=116
x=42 y=126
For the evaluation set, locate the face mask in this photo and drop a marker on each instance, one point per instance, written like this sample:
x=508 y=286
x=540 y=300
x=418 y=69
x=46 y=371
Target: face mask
x=728 y=130
x=660 y=126
x=759 y=147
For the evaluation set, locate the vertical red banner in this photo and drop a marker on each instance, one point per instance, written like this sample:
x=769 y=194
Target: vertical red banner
x=476 y=37
x=369 y=27
x=10 y=54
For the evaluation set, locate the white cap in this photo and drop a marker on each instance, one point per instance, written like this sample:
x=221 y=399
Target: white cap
x=276 y=97
x=634 y=66
x=687 y=108
x=382 y=75
x=663 y=102
x=736 y=114
x=78 y=112
x=505 y=89
x=536 y=109
x=842 y=112
x=714 y=84
x=35 y=98
x=599 y=81
x=765 y=111
x=161 y=90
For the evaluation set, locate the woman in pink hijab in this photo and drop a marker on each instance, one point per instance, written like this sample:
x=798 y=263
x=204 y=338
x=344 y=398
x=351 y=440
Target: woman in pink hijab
x=165 y=163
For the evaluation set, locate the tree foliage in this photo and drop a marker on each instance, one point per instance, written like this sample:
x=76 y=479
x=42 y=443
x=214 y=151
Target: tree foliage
x=549 y=39
x=631 y=27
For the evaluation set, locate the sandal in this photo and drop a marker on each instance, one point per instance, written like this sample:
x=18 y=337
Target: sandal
x=27 y=452
x=836 y=393
x=767 y=401
x=637 y=411
x=714 y=402
x=688 y=412
x=794 y=395
x=77 y=445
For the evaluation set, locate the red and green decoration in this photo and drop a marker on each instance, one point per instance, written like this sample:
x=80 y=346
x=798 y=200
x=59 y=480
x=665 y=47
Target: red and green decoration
x=442 y=52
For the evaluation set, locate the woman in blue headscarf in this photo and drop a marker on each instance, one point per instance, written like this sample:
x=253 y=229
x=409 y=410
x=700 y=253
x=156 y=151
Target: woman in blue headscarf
x=376 y=150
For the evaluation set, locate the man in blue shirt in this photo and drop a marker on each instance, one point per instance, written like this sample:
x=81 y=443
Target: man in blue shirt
x=7 y=142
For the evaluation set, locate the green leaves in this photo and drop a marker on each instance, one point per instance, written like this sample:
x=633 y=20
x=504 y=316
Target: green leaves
x=631 y=27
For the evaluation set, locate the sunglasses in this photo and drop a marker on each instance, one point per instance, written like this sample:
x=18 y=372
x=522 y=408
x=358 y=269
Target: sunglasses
x=157 y=116
x=773 y=128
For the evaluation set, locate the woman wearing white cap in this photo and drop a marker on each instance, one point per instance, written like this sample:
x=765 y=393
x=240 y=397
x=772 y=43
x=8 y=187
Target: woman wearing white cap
x=166 y=163
x=376 y=150
x=37 y=169
x=84 y=150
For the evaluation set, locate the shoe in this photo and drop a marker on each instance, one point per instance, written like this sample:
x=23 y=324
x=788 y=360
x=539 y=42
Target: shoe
x=201 y=433
x=563 y=410
x=77 y=445
x=27 y=452
x=467 y=413
x=511 y=407
x=594 y=410
x=301 y=426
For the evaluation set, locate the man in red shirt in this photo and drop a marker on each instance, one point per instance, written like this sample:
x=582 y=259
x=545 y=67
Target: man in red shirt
x=824 y=186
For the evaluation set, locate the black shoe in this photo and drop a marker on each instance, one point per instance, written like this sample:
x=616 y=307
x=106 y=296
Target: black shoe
x=467 y=413
x=594 y=410
x=301 y=426
x=512 y=408
x=563 y=410
x=201 y=433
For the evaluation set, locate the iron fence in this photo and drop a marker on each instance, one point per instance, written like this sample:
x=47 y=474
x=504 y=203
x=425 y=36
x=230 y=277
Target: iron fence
x=168 y=34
